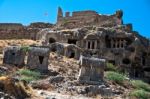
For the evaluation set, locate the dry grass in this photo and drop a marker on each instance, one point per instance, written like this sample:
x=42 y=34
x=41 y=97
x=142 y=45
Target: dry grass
x=23 y=42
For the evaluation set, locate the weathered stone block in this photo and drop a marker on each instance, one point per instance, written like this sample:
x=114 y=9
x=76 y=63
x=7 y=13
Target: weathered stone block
x=38 y=58
x=92 y=70
x=14 y=55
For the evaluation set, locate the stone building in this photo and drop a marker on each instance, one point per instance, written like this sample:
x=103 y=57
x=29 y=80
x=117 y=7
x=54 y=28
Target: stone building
x=14 y=55
x=38 y=58
x=87 y=18
x=107 y=38
x=92 y=70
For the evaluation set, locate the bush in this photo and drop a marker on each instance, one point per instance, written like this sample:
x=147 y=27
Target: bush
x=140 y=85
x=25 y=48
x=140 y=94
x=110 y=67
x=29 y=75
x=115 y=77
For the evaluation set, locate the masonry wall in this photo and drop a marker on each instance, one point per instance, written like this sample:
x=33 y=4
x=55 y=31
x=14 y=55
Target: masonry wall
x=88 y=18
x=18 y=31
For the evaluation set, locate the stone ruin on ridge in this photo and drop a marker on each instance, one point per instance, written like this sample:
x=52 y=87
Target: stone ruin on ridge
x=91 y=34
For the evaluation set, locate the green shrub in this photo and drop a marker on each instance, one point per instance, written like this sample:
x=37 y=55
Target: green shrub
x=140 y=85
x=28 y=75
x=140 y=94
x=25 y=48
x=110 y=67
x=115 y=77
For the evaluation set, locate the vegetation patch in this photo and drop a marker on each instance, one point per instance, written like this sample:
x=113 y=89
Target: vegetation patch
x=138 y=84
x=110 y=67
x=140 y=94
x=28 y=75
x=115 y=77
x=25 y=48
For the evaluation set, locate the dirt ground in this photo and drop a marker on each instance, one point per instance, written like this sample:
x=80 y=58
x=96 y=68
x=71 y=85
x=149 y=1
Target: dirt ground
x=59 y=66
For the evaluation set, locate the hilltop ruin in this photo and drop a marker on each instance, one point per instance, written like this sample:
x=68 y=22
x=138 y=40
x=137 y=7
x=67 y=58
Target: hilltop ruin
x=90 y=34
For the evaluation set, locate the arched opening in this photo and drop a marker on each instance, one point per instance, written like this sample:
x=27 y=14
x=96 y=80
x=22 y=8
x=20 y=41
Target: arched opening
x=72 y=54
x=126 y=61
x=52 y=40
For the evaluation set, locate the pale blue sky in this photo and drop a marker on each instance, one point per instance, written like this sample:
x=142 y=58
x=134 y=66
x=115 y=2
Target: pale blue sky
x=27 y=11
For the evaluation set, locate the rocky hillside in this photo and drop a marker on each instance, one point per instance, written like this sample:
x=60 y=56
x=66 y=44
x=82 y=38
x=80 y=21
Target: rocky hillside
x=61 y=82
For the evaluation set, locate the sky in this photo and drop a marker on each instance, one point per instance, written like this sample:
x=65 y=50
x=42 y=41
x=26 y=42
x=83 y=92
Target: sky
x=136 y=12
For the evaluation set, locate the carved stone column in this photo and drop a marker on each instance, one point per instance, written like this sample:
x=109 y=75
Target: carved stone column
x=116 y=43
x=86 y=45
x=124 y=43
x=112 y=43
x=90 y=44
x=120 y=43
x=95 y=45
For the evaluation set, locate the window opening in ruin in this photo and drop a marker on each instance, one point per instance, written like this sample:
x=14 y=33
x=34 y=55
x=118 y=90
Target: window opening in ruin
x=117 y=45
x=114 y=45
x=52 y=40
x=41 y=58
x=143 y=60
x=107 y=41
x=93 y=44
x=122 y=45
x=13 y=54
x=89 y=44
x=126 y=61
x=72 y=41
x=136 y=74
x=72 y=55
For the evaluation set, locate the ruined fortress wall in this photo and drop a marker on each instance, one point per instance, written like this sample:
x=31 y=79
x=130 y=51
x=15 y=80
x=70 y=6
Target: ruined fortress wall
x=83 y=13
x=87 y=18
x=11 y=26
x=18 y=31
x=17 y=34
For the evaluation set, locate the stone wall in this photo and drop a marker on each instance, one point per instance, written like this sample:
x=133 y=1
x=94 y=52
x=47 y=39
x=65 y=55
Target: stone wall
x=87 y=18
x=11 y=26
x=18 y=31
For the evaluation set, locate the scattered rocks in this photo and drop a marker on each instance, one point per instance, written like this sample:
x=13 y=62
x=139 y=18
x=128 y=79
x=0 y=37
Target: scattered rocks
x=3 y=70
x=56 y=79
x=93 y=90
